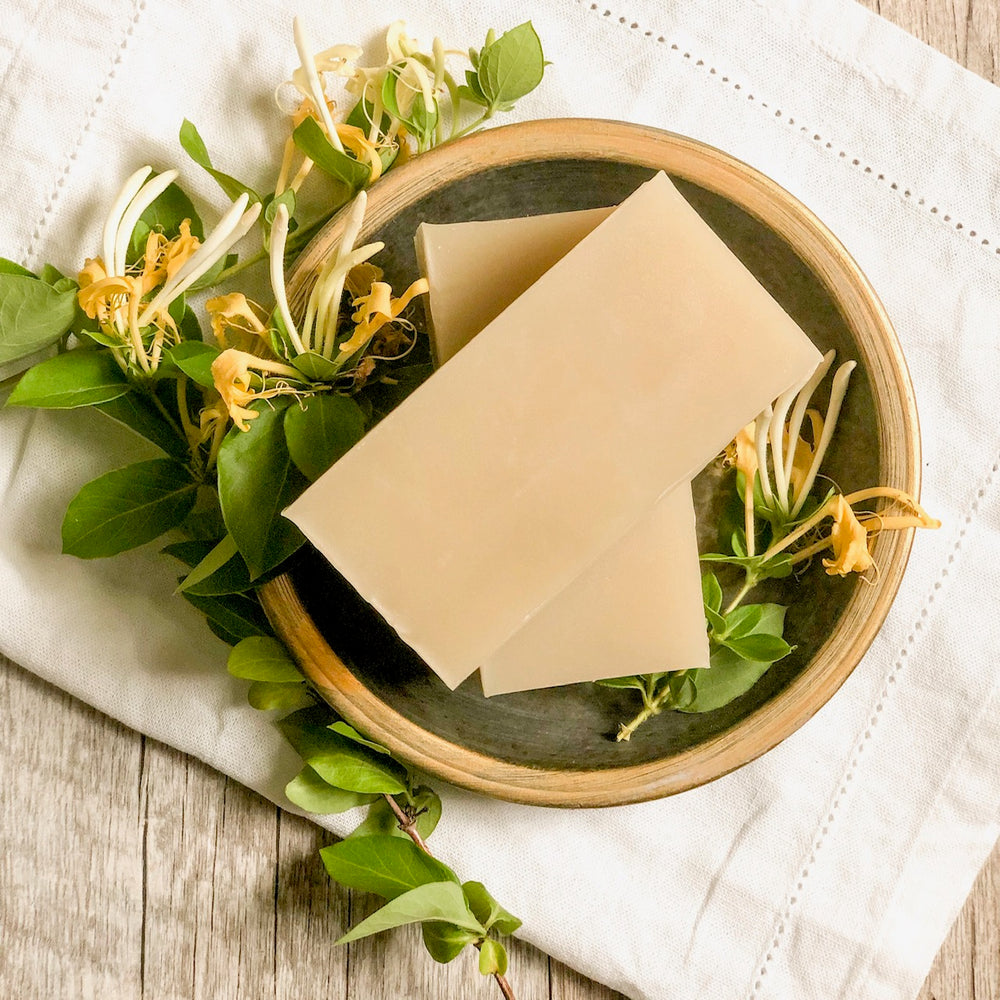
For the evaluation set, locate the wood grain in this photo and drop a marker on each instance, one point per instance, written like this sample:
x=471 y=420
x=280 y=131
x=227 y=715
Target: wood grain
x=124 y=860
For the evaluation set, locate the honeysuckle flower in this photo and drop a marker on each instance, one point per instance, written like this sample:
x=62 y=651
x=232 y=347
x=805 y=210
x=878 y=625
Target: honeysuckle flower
x=115 y=293
x=374 y=310
x=804 y=453
x=742 y=455
x=319 y=325
x=236 y=324
x=849 y=541
x=240 y=379
x=313 y=88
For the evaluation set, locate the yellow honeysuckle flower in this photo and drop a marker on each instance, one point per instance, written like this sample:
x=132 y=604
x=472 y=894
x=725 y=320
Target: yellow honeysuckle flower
x=741 y=452
x=234 y=373
x=360 y=279
x=235 y=324
x=804 y=453
x=115 y=293
x=849 y=541
x=101 y=294
x=374 y=310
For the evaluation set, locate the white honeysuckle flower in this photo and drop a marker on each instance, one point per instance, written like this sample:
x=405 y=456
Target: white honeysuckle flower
x=279 y=236
x=315 y=88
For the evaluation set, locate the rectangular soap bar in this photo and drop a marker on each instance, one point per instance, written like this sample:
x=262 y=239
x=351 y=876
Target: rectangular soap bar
x=476 y=269
x=612 y=379
x=638 y=608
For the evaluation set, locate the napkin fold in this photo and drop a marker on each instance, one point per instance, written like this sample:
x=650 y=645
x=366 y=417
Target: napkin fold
x=834 y=865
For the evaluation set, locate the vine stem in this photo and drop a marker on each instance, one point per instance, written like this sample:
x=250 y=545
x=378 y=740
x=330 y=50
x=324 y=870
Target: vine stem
x=653 y=706
x=409 y=827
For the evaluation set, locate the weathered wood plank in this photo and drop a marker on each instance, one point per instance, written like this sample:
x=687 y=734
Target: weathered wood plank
x=309 y=909
x=210 y=850
x=70 y=871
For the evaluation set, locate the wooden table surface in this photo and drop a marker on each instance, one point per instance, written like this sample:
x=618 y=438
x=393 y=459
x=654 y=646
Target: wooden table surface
x=132 y=870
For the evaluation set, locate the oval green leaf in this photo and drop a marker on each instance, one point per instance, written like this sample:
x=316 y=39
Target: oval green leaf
x=511 y=66
x=77 y=378
x=128 y=507
x=263 y=658
x=257 y=481
x=386 y=865
x=268 y=697
x=195 y=358
x=445 y=942
x=310 y=792
x=33 y=315
x=322 y=430
x=432 y=902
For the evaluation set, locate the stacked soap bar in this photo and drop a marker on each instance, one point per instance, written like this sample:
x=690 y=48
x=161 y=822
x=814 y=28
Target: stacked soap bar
x=522 y=462
x=638 y=608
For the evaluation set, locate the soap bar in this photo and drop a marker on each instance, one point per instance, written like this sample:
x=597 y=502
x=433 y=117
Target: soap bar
x=612 y=379
x=638 y=608
x=476 y=269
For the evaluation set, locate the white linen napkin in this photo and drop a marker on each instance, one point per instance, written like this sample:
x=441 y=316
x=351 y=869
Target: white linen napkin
x=833 y=866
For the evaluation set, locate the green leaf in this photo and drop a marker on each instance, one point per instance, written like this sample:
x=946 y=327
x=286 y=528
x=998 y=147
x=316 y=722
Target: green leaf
x=427 y=804
x=633 y=683
x=322 y=430
x=487 y=910
x=431 y=902
x=195 y=358
x=742 y=621
x=51 y=275
x=445 y=942
x=311 y=139
x=238 y=615
x=214 y=560
x=190 y=552
x=351 y=733
x=716 y=623
x=135 y=411
x=388 y=866
x=286 y=198
x=315 y=367
x=224 y=634
x=263 y=658
x=257 y=481
x=761 y=648
x=33 y=315
x=77 y=378
x=207 y=280
x=511 y=66
x=310 y=792
x=128 y=507
x=193 y=144
x=492 y=958
x=167 y=213
x=340 y=761
x=266 y=696
x=730 y=675
x=12 y=267
x=711 y=592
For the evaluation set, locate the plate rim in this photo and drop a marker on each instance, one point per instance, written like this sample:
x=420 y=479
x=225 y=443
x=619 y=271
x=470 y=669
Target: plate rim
x=878 y=344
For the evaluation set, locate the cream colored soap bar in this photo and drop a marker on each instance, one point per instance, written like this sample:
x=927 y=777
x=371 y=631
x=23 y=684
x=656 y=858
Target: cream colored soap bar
x=611 y=380
x=476 y=269
x=638 y=609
